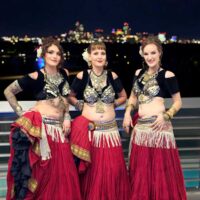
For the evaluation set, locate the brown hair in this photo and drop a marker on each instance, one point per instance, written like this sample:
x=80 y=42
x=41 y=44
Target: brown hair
x=153 y=40
x=47 y=42
x=96 y=45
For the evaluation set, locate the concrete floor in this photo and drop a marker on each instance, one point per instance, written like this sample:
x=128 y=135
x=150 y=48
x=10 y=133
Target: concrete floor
x=193 y=195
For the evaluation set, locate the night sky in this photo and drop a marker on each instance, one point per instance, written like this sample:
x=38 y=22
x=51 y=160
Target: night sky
x=52 y=17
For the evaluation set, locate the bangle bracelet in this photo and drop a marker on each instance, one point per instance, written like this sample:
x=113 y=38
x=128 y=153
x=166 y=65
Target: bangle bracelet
x=172 y=111
x=67 y=116
x=166 y=116
x=19 y=110
x=79 y=105
x=130 y=105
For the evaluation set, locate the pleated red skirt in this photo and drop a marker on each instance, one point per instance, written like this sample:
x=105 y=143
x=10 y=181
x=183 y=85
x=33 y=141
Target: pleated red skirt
x=54 y=177
x=106 y=178
x=57 y=177
x=154 y=165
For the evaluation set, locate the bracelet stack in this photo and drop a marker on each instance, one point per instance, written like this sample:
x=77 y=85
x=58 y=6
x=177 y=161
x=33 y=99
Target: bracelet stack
x=79 y=105
x=19 y=110
x=169 y=114
x=67 y=116
x=130 y=105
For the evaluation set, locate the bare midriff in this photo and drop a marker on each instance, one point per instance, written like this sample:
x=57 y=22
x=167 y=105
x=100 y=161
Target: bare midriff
x=155 y=107
x=89 y=111
x=51 y=107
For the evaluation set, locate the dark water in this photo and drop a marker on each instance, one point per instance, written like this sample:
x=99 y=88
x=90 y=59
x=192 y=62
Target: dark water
x=124 y=59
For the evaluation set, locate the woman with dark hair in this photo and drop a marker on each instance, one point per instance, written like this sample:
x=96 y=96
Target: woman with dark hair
x=154 y=165
x=41 y=164
x=95 y=138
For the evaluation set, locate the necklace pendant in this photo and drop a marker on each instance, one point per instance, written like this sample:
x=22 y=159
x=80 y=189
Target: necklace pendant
x=146 y=78
x=100 y=107
x=141 y=97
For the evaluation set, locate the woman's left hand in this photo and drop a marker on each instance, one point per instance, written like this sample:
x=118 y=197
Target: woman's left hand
x=158 y=124
x=66 y=127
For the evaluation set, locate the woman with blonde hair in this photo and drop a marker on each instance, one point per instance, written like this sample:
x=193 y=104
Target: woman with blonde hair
x=95 y=138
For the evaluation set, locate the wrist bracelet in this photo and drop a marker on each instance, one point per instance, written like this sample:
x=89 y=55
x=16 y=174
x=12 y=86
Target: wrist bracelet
x=79 y=105
x=67 y=116
x=130 y=105
x=172 y=111
x=166 y=116
x=19 y=110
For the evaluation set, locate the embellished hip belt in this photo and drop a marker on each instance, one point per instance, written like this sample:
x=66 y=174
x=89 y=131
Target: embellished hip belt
x=51 y=121
x=148 y=120
x=102 y=125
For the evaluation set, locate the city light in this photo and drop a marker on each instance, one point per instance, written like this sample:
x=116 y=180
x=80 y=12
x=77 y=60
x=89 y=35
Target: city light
x=123 y=34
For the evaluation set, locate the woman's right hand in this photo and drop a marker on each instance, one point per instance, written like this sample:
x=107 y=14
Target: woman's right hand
x=66 y=127
x=127 y=123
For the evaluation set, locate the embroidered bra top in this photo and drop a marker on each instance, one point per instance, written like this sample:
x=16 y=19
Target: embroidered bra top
x=156 y=86
x=46 y=88
x=84 y=88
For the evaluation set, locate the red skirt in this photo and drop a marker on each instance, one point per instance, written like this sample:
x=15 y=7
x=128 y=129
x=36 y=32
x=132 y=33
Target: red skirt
x=53 y=172
x=106 y=177
x=154 y=165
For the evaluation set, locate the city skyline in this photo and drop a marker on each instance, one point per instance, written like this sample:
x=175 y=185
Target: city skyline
x=43 y=18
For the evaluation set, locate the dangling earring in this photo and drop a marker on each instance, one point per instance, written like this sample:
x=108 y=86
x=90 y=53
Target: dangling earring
x=106 y=63
x=89 y=64
x=88 y=60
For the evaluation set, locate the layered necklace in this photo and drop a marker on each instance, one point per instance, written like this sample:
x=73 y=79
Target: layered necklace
x=55 y=79
x=52 y=87
x=146 y=77
x=98 y=82
x=148 y=81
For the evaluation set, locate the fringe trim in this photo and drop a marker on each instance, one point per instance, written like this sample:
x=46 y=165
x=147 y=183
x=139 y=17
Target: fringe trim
x=44 y=145
x=56 y=134
x=106 y=138
x=143 y=135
